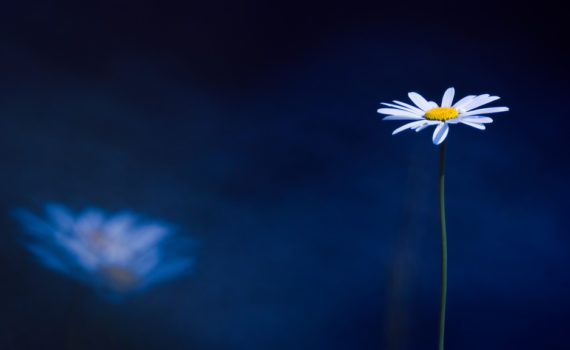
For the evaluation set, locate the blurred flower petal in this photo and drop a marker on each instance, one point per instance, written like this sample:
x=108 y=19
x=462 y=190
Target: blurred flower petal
x=118 y=253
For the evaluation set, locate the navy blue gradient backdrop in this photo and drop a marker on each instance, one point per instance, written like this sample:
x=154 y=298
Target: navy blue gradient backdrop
x=253 y=127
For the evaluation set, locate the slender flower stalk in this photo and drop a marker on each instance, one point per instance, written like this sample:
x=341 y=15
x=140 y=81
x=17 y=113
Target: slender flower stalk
x=443 y=294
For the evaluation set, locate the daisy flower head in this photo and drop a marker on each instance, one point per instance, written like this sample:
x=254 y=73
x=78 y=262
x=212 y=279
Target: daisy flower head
x=427 y=113
x=118 y=254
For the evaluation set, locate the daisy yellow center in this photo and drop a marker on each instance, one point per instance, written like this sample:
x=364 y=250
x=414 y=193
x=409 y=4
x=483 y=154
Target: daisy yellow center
x=441 y=113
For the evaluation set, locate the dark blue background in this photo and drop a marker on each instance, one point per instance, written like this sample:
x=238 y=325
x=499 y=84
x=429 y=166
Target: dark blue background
x=252 y=125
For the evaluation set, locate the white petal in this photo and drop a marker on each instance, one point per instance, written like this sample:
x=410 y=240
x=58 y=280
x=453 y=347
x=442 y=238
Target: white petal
x=419 y=125
x=448 y=97
x=422 y=127
x=400 y=117
x=477 y=119
x=486 y=110
x=393 y=111
x=474 y=125
x=413 y=108
x=402 y=108
x=479 y=101
x=432 y=104
x=476 y=99
x=408 y=126
x=453 y=121
x=464 y=101
x=426 y=124
x=440 y=133
x=419 y=101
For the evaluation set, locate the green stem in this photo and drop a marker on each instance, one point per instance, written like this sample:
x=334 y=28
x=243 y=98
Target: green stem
x=443 y=246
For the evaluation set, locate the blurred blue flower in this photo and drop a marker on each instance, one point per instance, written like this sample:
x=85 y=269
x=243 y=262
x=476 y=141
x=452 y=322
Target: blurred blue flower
x=118 y=254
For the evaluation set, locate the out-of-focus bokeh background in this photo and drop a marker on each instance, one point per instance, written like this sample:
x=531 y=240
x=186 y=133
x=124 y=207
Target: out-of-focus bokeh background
x=252 y=125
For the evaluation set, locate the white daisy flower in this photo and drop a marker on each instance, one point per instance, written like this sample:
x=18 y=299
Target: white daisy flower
x=117 y=254
x=425 y=113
